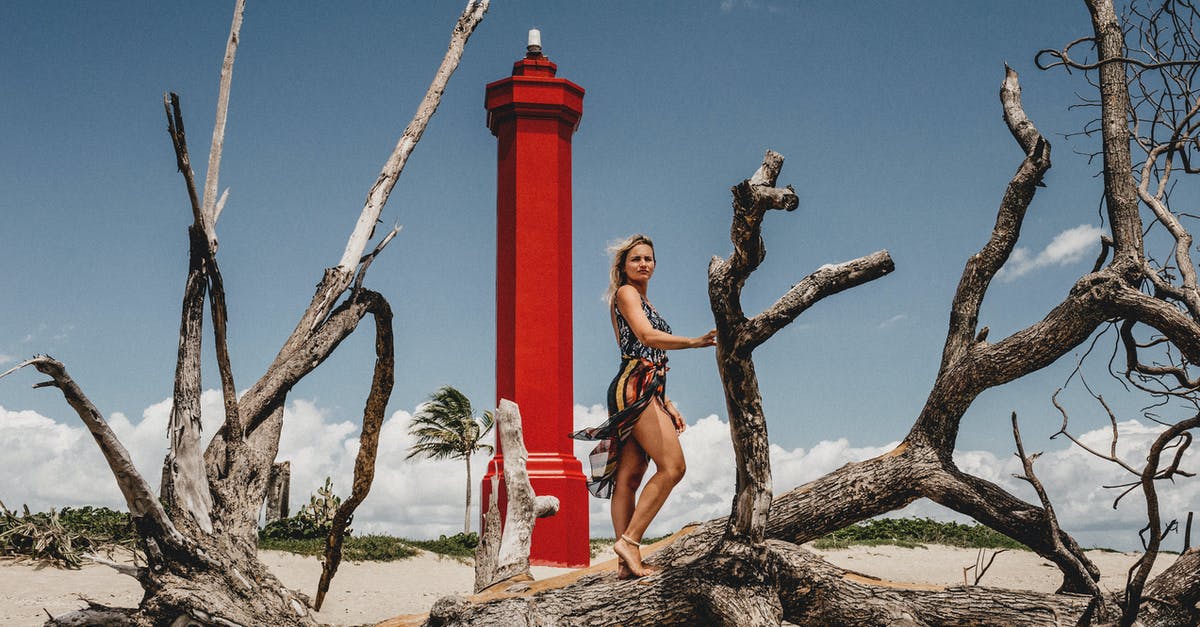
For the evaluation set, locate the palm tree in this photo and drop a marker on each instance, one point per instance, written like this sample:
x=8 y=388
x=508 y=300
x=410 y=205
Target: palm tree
x=446 y=428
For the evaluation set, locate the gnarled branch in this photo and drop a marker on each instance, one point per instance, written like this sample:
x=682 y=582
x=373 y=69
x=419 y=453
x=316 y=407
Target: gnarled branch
x=368 y=441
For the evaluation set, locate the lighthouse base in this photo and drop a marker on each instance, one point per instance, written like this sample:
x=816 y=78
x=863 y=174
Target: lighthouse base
x=560 y=540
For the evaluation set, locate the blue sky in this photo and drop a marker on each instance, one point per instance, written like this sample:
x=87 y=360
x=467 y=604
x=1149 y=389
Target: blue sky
x=887 y=113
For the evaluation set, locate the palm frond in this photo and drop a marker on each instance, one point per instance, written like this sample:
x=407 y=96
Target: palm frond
x=445 y=426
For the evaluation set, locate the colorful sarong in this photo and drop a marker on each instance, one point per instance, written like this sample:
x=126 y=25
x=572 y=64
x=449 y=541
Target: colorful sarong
x=638 y=382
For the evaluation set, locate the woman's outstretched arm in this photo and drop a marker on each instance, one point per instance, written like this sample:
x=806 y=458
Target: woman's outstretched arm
x=629 y=303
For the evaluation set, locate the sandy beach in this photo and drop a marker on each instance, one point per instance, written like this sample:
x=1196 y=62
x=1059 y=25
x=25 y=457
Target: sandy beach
x=369 y=592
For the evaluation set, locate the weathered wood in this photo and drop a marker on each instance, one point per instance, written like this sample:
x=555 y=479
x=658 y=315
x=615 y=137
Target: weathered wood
x=737 y=336
x=368 y=440
x=511 y=561
x=1187 y=532
x=981 y=268
x=1176 y=593
x=1051 y=529
x=185 y=485
x=212 y=174
x=1120 y=193
x=488 y=549
x=279 y=486
x=804 y=588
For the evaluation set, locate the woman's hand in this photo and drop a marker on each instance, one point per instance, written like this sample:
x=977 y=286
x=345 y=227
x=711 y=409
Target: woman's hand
x=676 y=417
x=708 y=339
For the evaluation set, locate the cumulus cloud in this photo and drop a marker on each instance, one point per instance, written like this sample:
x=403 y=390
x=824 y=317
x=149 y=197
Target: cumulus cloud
x=52 y=464
x=1066 y=248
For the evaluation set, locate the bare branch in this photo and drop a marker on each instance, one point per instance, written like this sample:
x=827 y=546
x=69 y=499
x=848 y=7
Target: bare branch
x=382 y=188
x=1133 y=364
x=1064 y=60
x=1018 y=122
x=1053 y=533
x=216 y=287
x=182 y=160
x=1181 y=329
x=218 y=137
x=337 y=279
x=220 y=205
x=1106 y=245
x=1141 y=570
x=752 y=198
x=826 y=281
x=143 y=504
x=980 y=567
x=369 y=258
x=368 y=441
x=737 y=338
x=981 y=268
x=17 y=367
x=124 y=569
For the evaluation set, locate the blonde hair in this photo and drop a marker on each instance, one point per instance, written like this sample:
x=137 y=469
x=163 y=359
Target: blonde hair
x=616 y=272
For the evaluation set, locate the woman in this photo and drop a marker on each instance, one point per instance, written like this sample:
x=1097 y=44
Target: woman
x=637 y=406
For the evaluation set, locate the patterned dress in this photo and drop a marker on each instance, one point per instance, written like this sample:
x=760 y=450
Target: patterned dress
x=641 y=379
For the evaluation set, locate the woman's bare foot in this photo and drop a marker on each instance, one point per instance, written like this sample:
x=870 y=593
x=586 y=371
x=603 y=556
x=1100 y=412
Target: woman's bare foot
x=623 y=571
x=629 y=555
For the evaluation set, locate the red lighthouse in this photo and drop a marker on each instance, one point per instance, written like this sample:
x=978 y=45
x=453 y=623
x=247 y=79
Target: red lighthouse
x=533 y=115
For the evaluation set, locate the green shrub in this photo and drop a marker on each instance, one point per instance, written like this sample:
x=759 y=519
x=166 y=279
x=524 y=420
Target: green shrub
x=294 y=528
x=321 y=507
x=457 y=545
x=377 y=548
x=313 y=521
x=100 y=524
x=914 y=532
x=370 y=548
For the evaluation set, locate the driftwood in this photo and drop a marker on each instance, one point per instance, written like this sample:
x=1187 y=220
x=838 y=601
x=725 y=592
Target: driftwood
x=504 y=557
x=278 y=488
x=200 y=540
x=749 y=570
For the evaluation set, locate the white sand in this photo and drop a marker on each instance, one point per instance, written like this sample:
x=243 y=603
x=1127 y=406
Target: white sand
x=368 y=592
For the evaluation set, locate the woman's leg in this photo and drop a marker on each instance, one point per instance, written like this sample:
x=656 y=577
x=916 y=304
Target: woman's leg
x=655 y=433
x=631 y=466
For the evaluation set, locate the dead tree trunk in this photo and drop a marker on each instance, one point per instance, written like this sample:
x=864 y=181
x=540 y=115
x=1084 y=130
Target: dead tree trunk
x=200 y=541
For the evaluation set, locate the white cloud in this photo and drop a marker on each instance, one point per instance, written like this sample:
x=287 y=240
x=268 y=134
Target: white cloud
x=5 y=358
x=52 y=464
x=893 y=321
x=729 y=5
x=1066 y=247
